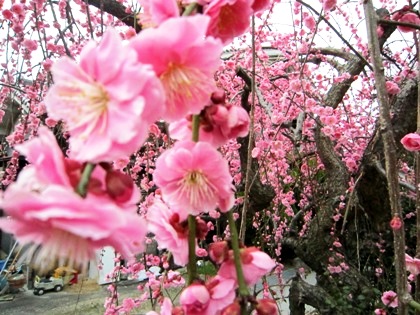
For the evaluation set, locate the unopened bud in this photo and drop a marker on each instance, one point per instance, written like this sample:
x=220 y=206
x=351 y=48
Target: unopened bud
x=119 y=186
x=219 y=251
x=266 y=307
x=218 y=97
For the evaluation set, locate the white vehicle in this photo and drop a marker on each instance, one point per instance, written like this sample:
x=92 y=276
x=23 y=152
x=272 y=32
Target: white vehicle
x=42 y=285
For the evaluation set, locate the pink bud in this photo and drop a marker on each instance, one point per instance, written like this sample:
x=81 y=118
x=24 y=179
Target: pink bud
x=218 y=97
x=119 y=186
x=395 y=223
x=219 y=251
x=266 y=307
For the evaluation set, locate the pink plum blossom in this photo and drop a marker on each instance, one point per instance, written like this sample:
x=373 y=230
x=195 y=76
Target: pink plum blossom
x=406 y=17
x=157 y=11
x=194 y=177
x=413 y=264
x=185 y=61
x=255 y=264
x=259 y=5
x=46 y=211
x=392 y=88
x=170 y=229
x=390 y=299
x=328 y=5
x=208 y=299
x=218 y=124
x=107 y=109
x=229 y=18
x=411 y=142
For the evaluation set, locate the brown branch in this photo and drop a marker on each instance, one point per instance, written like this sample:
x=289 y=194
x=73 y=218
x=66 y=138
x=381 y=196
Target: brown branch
x=390 y=158
x=117 y=10
x=395 y=23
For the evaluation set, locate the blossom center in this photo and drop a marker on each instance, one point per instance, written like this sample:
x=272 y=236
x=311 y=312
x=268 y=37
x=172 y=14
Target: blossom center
x=89 y=104
x=197 y=187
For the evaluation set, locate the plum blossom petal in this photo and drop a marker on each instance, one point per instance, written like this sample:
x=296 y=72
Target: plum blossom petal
x=184 y=60
x=255 y=264
x=170 y=229
x=413 y=264
x=95 y=101
x=193 y=176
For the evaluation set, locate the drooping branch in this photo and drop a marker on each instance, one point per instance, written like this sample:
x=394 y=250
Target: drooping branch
x=390 y=158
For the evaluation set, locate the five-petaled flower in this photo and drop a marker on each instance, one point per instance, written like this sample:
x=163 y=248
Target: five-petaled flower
x=107 y=109
x=194 y=177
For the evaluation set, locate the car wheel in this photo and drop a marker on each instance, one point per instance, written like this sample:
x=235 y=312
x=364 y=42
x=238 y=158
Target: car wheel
x=40 y=292
x=58 y=288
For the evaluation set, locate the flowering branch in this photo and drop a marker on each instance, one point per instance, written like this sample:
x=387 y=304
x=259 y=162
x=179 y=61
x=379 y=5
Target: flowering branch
x=390 y=158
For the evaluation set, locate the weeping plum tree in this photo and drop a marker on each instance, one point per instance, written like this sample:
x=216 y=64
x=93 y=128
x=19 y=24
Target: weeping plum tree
x=311 y=177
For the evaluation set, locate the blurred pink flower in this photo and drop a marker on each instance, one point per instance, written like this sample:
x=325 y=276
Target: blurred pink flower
x=218 y=124
x=229 y=18
x=392 y=88
x=406 y=17
x=107 y=110
x=185 y=61
x=259 y=5
x=255 y=264
x=411 y=142
x=157 y=11
x=45 y=210
x=413 y=265
x=170 y=229
x=390 y=299
x=194 y=177
x=208 y=299
x=328 y=5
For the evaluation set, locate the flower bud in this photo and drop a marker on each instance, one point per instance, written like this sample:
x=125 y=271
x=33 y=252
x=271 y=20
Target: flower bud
x=119 y=186
x=218 y=97
x=219 y=251
x=266 y=307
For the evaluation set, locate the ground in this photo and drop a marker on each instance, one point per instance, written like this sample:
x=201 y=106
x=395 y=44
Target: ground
x=85 y=298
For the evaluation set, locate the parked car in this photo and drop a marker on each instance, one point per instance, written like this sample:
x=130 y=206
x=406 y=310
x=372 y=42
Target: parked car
x=42 y=285
x=60 y=277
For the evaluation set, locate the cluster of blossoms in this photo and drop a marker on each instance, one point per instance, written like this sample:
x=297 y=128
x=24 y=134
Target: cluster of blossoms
x=68 y=207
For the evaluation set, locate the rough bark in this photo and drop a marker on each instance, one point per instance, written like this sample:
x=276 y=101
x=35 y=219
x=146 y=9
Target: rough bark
x=117 y=10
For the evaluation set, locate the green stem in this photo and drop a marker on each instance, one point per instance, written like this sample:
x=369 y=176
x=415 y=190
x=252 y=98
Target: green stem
x=84 y=180
x=192 y=260
x=190 y=8
x=414 y=305
x=243 y=289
